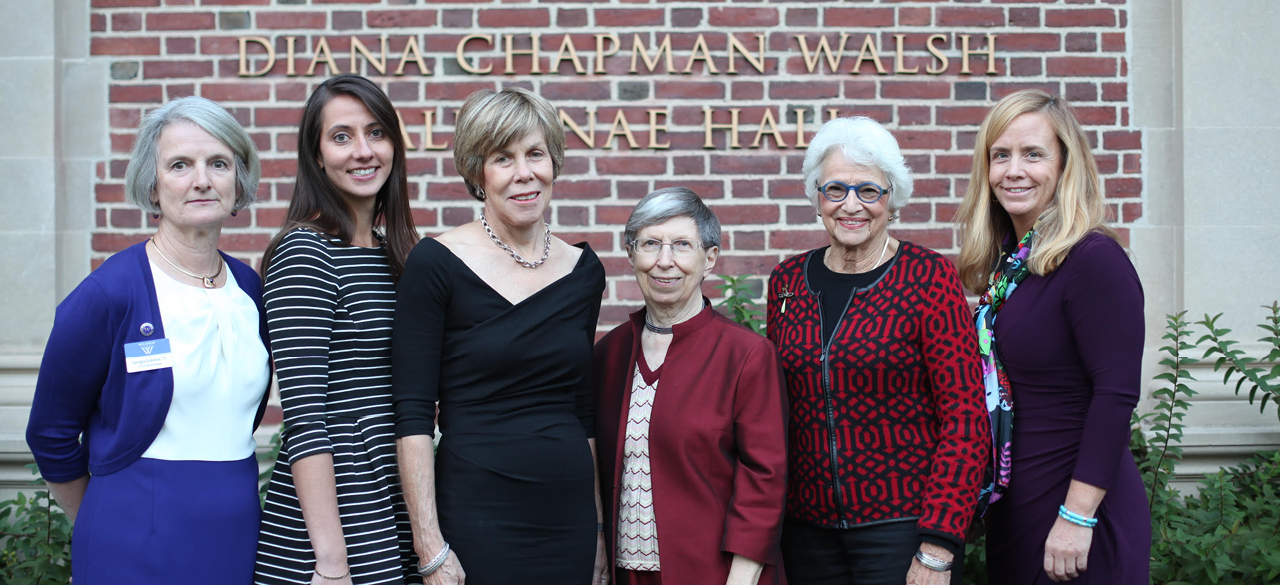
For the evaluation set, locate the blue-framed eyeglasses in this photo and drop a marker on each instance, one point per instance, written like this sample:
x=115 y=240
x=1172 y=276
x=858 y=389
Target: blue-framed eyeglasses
x=837 y=191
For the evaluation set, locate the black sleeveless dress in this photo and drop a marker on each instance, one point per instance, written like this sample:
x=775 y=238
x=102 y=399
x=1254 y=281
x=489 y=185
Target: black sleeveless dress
x=514 y=475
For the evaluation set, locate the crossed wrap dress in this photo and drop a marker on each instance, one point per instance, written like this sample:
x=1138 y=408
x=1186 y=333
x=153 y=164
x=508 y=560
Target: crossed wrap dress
x=1072 y=347
x=514 y=476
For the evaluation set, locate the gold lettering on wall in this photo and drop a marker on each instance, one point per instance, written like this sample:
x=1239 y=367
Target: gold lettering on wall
x=290 y=67
x=567 y=52
x=590 y=137
x=868 y=53
x=462 y=61
x=801 y=142
x=899 y=63
x=700 y=46
x=638 y=50
x=620 y=128
x=428 y=135
x=732 y=127
x=736 y=46
x=358 y=47
x=470 y=54
x=601 y=52
x=508 y=43
x=767 y=121
x=245 y=71
x=412 y=47
x=322 y=55
x=990 y=52
x=941 y=57
x=833 y=61
x=654 y=127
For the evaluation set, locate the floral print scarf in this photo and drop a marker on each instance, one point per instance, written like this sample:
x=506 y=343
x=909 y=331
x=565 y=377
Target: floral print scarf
x=1011 y=271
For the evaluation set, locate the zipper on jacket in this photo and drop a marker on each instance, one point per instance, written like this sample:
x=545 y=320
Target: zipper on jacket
x=827 y=400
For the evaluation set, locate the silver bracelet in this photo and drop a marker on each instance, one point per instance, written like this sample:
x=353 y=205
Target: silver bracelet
x=435 y=562
x=932 y=563
x=338 y=578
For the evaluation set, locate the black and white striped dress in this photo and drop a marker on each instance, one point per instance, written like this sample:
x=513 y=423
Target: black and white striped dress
x=329 y=311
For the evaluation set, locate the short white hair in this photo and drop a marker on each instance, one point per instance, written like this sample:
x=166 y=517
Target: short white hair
x=862 y=141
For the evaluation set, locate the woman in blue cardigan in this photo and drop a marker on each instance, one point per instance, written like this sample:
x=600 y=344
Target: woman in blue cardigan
x=156 y=373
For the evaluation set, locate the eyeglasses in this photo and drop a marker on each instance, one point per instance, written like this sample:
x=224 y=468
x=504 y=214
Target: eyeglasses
x=652 y=247
x=837 y=191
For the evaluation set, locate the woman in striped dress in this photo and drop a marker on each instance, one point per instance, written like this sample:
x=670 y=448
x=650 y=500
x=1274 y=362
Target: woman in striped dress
x=334 y=512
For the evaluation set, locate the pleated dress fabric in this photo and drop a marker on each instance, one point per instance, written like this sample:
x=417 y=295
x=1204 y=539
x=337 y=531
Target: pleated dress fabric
x=187 y=510
x=329 y=311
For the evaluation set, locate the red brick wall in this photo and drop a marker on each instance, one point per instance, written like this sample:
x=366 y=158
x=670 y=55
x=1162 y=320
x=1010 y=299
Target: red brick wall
x=1078 y=48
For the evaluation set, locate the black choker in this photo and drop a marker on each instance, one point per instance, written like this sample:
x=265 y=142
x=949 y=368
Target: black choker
x=658 y=330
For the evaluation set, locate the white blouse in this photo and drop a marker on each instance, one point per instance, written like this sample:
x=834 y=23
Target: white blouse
x=219 y=371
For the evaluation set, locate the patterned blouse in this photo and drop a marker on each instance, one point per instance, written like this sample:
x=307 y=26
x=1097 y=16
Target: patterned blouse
x=637 y=525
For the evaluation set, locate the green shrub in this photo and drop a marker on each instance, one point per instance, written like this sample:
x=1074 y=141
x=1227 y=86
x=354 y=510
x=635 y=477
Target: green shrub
x=37 y=540
x=739 y=304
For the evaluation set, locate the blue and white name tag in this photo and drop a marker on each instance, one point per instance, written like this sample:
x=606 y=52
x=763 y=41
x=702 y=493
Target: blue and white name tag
x=147 y=355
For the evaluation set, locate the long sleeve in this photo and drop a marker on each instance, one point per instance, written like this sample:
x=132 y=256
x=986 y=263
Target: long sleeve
x=73 y=370
x=950 y=350
x=1103 y=304
x=422 y=299
x=301 y=297
x=753 y=520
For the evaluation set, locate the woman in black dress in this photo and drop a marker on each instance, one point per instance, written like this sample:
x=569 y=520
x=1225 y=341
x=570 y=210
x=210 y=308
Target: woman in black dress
x=495 y=322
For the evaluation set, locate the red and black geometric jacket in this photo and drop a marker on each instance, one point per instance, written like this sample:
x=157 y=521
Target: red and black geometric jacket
x=889 y=421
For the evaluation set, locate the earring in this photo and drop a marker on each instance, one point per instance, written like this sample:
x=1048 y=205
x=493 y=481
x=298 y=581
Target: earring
x=155 y=216
x=233 y=214
x=819 y=214
x=480 y=194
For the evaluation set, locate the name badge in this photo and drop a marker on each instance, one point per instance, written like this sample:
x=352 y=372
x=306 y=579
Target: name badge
x=147 y=355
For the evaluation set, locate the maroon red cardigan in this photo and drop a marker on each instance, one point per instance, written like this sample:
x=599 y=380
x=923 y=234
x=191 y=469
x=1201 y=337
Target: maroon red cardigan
x=717 y=445
x=889 y=422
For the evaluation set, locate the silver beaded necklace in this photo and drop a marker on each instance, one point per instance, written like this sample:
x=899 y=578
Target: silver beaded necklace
x=546 y=244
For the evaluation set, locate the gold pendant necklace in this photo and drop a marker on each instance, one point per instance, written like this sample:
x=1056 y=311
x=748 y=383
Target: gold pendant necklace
x=207 y=281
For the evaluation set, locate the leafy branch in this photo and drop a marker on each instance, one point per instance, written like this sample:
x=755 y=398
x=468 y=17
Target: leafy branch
x=1168 y=414
x=739 y=299
x=1247 y=369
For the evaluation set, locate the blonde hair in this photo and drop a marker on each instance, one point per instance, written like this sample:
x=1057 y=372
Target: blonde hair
x=492 y=120
x=1076 y=210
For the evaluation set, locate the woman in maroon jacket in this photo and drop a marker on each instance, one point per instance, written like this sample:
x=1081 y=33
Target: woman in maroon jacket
x=690 y=417
x=888 y=434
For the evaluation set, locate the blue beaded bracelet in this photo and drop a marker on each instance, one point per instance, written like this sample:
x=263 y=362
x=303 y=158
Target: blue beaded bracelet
x=1075 y=518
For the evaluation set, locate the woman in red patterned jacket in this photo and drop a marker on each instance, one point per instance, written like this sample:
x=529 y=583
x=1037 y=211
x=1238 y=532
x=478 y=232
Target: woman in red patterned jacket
x=888 y=432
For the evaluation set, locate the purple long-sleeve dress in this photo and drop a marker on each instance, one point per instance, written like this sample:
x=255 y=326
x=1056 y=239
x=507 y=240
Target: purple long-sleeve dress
x=1071 y=343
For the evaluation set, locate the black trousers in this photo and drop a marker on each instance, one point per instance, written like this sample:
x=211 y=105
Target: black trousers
x=869 y=555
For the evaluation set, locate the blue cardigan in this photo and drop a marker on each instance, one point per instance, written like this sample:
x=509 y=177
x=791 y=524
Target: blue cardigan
x=84 y=390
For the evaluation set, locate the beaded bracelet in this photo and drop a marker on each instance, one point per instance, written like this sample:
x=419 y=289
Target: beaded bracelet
x=435 y=562
x=1075 y=518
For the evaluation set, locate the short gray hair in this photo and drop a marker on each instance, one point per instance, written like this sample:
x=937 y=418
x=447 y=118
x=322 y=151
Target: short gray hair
x=492 y=120
x=671 y=202
x=865 y=142
x=141 y=176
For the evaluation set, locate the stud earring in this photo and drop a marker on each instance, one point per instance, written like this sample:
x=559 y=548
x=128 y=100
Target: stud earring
x=233 y=213
x=155 y=216
x=480 y=194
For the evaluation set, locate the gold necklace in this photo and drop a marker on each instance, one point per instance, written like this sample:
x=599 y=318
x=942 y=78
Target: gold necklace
x=207 y=281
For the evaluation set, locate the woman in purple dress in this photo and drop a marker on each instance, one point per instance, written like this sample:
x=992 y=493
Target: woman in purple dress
x=1064 y=354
